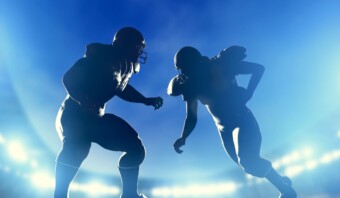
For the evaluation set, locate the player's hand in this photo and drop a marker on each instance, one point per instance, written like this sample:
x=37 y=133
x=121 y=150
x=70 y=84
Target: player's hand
x=155 y=102
x=238 y=52
x=178 y=144
x=234 y=54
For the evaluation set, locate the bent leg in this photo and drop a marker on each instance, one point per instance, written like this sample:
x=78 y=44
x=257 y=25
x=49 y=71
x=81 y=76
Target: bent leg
x=249 y=144
x=69 y=160
x=249 y=141
x=116 y=134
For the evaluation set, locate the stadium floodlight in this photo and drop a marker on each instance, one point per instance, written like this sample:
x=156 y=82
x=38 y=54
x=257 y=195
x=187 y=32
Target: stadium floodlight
x=294 y=170
x=307 y=152
x=311 y=164
x=194 y=190
x=95 y=189
x=17 y=152
x=330 y=156
x=293 y=158
x=288 y=159
x=42 y=180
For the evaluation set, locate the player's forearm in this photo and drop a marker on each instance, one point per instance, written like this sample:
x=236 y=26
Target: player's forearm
x=188 y=127
x=255 y=79
x=130 y=94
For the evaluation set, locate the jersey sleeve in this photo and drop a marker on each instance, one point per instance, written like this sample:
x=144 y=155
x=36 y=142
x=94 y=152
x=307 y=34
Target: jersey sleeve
x=179 y=85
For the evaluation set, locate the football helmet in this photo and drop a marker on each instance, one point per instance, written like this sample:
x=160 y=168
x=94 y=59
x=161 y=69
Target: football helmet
x=133 y=42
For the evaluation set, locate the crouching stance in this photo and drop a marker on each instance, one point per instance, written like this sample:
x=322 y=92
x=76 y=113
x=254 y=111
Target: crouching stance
x=213 y=83
x=91 y=82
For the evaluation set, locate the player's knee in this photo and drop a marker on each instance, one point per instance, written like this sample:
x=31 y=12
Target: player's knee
x=249 y=166
x=256 y=166
x=139 y=153
x=133 y=156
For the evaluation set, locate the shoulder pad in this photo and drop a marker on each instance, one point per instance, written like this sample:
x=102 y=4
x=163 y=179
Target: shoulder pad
x=176 y=85
x=98 y=50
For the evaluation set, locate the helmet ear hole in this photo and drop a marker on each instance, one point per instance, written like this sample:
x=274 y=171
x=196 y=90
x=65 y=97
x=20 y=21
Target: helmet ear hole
x=143 y=56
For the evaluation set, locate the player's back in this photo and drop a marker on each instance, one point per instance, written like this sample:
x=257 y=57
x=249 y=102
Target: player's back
x=97 y=76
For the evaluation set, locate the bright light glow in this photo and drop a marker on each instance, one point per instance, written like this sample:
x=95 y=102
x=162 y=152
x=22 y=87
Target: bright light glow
x=249 y=177
x=276 y=164
x=42 y=180
x=293 y=157
x=326 y=159
x=294 y=170
x=95 y=189
x=329 y=157
x=338 y=134
x=207 y=190
x=34 y=163
x=2 y=139
x=311 y=164
x=17 y=152
x=307 y=152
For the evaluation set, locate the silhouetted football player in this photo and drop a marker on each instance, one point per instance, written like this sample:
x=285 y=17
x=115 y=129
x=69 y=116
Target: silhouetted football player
x=213 y=83
x=103 y=73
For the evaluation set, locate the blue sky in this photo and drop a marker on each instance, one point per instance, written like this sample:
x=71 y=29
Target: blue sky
x=296 y=41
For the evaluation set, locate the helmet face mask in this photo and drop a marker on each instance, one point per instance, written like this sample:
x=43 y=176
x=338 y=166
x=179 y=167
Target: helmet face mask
x=142 y=55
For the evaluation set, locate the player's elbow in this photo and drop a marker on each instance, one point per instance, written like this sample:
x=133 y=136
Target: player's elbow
x=260 y=69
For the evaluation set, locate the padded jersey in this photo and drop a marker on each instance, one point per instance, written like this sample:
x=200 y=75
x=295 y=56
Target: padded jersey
x=101 y=73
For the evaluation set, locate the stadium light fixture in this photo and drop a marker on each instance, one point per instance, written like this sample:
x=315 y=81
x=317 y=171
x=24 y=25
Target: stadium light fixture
x=307 y=152
x=194 y=190
x=294 y=170
x=17 y=152
x=95 y=189
x=330 y=156
x=42 y=180
x=311 y=164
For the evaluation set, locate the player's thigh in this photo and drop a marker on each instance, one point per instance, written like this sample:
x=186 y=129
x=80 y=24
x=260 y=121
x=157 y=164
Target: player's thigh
x=249 y=136
x=229 y=144
x=116 y=134
x=75 y=124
